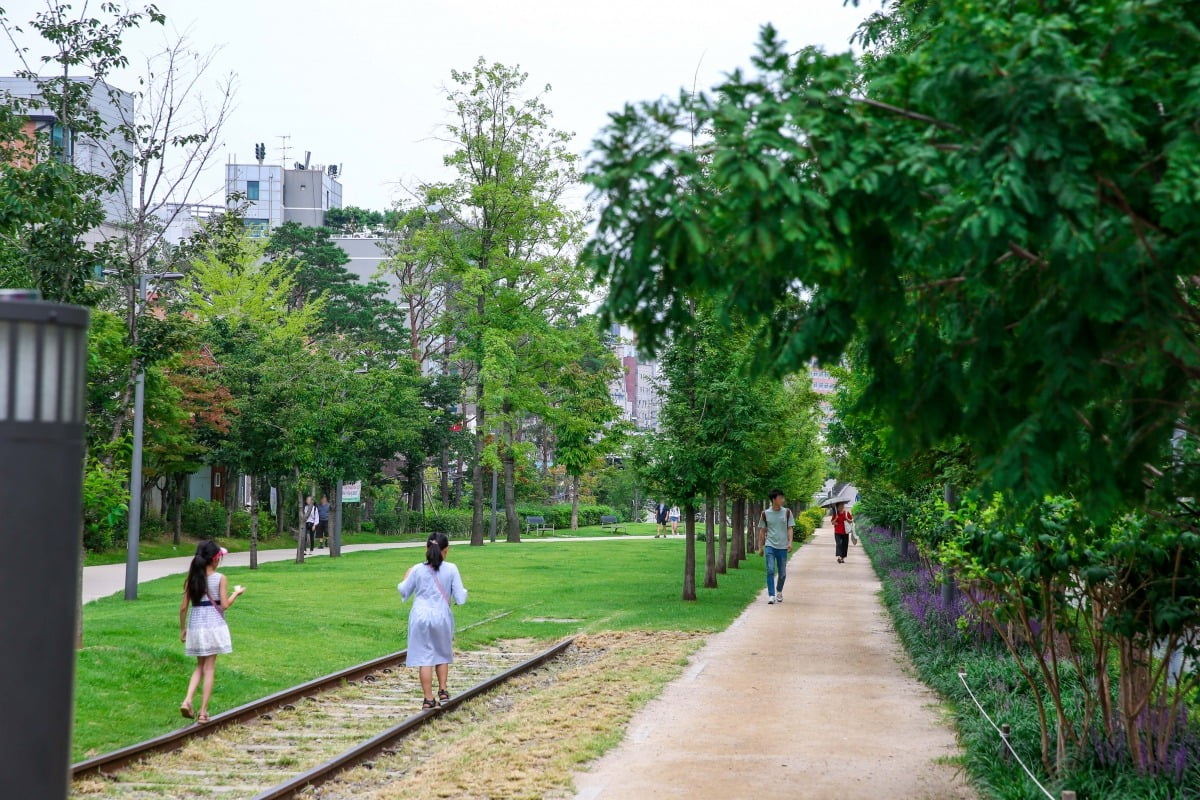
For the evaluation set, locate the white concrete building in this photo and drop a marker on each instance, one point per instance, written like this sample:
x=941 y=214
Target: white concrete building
x=275 y=195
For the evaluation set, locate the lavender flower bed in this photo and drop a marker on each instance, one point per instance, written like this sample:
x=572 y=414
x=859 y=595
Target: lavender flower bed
x=944 y=637
x=920 y=590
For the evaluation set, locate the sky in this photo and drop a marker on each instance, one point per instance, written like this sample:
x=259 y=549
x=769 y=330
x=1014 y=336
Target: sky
x=362 y=83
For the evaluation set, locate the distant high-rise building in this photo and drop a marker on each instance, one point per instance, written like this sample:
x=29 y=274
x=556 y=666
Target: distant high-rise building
x=638 y=391
x=824 y=385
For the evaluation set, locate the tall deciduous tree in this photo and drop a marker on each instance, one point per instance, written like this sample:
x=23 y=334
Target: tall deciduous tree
x=508 y=243
x=998 y=203
x=582 y=415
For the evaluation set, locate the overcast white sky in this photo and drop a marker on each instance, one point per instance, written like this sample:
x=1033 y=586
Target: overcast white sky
x=360 y=82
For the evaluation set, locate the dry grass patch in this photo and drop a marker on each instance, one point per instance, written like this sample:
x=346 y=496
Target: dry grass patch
x=526 y=739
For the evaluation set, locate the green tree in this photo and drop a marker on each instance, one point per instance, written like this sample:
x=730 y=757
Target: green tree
x=582 y=415
x=995 y=203
x=49 y=204
x=507 y=244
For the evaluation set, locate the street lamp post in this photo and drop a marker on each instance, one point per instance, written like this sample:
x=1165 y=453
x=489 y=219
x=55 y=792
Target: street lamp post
x=135 y=469
x=43 y=349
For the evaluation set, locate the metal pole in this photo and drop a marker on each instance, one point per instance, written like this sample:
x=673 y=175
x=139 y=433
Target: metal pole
x=132 y=542
x=135 y=491
x=492 y=525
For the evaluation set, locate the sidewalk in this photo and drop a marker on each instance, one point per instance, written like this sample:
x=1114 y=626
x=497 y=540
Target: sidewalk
x=808 y=699
x=108 y=579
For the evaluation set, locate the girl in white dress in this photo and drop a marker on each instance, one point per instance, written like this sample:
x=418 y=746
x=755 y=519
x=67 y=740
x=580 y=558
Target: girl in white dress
x=434 y=586
x=202 y=626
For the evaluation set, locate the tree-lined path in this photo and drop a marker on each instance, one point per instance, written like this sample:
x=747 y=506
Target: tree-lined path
x=811 y=698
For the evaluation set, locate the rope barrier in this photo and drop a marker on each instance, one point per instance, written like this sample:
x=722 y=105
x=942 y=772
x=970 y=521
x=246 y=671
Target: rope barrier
x=962 y=676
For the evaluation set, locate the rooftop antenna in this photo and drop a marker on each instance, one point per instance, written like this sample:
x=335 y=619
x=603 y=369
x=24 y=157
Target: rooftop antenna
x=307 y=158
x=284 y=148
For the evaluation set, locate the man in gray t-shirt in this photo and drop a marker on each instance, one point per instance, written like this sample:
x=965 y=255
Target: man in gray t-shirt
x=775 y=541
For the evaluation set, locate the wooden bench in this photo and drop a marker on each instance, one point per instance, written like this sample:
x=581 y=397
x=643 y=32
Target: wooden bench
x=537 y=525
x=608 y=522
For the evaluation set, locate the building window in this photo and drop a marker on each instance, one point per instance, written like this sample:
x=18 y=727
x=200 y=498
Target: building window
x=252 y=190
x=256 y=228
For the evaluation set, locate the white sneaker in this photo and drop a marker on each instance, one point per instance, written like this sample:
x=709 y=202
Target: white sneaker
x=779 y=597
x=770 y=599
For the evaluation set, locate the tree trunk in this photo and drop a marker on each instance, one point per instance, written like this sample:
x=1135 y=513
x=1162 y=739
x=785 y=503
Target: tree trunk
x=253 y=498
x=279 y=505
x=737 y=544
x=574 y=502
x=689 y=551
x=300 y=506
x=722 y=542
x=445 y=470
x=710 y=544
x=177 y=537
x=510 y=487
x=477 y=472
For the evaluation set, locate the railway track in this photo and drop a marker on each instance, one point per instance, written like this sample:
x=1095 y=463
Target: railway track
x=301 y=737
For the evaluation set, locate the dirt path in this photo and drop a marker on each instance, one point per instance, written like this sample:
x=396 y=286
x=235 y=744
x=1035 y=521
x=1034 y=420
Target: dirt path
x=811 y=698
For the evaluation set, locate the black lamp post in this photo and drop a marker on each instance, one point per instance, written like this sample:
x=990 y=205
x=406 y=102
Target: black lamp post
x=43 y=348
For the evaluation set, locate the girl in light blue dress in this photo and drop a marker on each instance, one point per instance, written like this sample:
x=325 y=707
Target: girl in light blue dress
x=434 y=586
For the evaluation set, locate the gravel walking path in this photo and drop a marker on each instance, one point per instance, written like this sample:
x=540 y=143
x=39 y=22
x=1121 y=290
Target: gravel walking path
x=811 y=698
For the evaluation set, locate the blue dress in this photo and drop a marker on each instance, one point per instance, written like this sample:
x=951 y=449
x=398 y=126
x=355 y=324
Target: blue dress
x=430 y=622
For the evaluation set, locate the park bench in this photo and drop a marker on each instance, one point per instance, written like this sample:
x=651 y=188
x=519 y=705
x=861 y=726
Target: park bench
x=537 y=525
x=608 y=522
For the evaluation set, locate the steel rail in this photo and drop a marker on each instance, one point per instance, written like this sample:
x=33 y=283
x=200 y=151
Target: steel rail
x=117 y=759
x=356 y=755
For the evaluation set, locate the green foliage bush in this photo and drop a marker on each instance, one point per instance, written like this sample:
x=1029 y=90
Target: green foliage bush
x=368 y=527
x=559 y=514
x=105 y=505
x=804 y=527
x=816 y=514
x=455 y=523
x=204 y=519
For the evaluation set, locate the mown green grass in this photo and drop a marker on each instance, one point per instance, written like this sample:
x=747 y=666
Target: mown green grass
x=151 y=548
x=298 y=622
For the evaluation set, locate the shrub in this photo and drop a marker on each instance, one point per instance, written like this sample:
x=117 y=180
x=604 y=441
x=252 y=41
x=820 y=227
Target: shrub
x=804 y=528
x=368 y=526
x=204 y=519
x=559 y=514
x=105 y=506
x=816 y=514
x=452 y=522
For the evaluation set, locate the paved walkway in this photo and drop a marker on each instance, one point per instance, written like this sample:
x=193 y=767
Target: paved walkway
x=810 y=698
x=108 y=579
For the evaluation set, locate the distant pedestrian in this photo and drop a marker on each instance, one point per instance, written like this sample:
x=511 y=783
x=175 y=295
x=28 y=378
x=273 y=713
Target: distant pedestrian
x=323 y=522
x=841 y=538
x=673 y=518
x=203 y=629
x=311 y=518
x=775 y=541
x=434 y=586
x=660 y=520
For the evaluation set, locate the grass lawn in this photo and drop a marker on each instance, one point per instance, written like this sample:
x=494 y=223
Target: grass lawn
x=152 y=548
x=297 y=622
